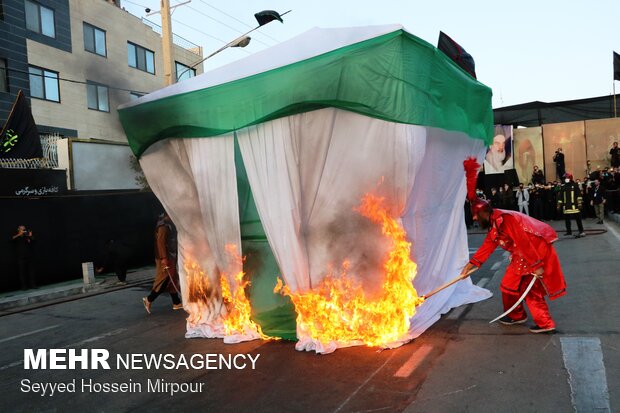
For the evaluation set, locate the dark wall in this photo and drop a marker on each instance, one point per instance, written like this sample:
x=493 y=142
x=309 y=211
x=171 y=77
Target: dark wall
x=73 y=229
x=486 y=182
x=13 y=50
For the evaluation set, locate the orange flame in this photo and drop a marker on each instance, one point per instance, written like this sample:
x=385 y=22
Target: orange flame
x=202 y=292
x=339 y=310
x=236 y=311
x=238 y=318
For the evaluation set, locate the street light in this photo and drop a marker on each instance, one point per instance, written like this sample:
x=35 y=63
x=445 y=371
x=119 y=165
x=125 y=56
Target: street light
x=262 y=17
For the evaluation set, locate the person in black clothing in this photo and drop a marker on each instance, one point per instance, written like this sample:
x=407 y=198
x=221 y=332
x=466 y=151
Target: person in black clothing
x=613 y=192
x=469 y=220
x=24 y=251
x=536 y=203
x=560 y=166
x=598 y=201
x=615 y=155
x=116 y=256
x=508 y=198
x=538 y=178
x=495 y=198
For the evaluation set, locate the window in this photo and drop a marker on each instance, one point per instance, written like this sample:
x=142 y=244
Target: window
x=4 y=78
x=44 y=84
x=94 y=40
x=184 y=72
x=135 y=95
x=40 y=19
x=97 y=96
x=140 y=58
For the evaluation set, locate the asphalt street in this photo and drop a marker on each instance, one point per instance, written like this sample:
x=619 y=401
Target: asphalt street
x=461 y=364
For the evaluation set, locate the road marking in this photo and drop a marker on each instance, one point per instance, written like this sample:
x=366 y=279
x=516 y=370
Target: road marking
x=457 y=312
x=95 y=338
x=85 y=341
x=364 y=383
x=482 y=282
x=495 y=266
x=414 y=361
x=29 y=333
x=14 y=364
x=583 y=358
x=611 y=229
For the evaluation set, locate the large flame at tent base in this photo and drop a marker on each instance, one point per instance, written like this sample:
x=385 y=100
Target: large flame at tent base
x=234 y=311
x=338 y=309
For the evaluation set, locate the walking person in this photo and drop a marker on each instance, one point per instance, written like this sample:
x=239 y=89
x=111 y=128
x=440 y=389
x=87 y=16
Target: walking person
x=116 y=257
x=533 y=262
x=570 y=203
x=523 y=199
x=165 y=264
x=598 y=201
x=24 y=242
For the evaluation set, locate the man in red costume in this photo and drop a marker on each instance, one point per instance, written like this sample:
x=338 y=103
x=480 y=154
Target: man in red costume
x=529 y=242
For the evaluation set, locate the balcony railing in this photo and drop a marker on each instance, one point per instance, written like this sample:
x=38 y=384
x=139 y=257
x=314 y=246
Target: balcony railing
x=176 y=39
x=48 y=161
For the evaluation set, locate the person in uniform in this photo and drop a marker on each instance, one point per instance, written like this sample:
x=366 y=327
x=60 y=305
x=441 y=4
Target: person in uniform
x=570 y=203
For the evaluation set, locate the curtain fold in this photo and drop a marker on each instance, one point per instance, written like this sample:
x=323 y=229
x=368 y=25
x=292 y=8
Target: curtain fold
x=434 y=222
x=195 y=179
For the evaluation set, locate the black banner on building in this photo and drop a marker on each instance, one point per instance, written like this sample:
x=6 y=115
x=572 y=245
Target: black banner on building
x=19 y=138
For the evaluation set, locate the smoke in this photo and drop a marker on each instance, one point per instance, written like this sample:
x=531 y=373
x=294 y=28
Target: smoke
x=352 y=238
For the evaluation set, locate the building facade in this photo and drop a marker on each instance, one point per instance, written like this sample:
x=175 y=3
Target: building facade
x=13 y=55
x=77 y=60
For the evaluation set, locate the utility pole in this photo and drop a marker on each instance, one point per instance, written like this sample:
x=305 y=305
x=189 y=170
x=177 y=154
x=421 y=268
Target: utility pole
x=166 y=34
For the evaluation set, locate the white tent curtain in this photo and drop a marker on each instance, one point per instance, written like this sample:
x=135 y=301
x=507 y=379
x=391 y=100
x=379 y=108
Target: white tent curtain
x=434 y=222
x=313 y=169
x=195 y=179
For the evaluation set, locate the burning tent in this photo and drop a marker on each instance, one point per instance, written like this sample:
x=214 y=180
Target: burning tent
x=333 y=164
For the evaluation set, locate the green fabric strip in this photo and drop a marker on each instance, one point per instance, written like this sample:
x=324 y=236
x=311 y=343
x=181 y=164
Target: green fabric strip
x=273 y=312
x=396 y=77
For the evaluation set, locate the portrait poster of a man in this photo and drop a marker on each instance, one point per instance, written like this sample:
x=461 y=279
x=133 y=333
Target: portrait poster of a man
x=499 y=155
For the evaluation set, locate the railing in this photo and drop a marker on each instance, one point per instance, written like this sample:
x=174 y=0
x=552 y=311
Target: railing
x=48 y=161
x=176 y=39
x=49 y=144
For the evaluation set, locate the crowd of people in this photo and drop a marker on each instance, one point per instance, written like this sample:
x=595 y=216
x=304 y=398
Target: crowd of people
x=591 y=197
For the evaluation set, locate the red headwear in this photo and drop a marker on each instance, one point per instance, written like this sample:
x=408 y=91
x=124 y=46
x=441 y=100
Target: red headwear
x=472 y=166
x=568 y=175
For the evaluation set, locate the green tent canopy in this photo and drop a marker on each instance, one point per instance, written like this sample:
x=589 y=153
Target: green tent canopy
x=272 y=154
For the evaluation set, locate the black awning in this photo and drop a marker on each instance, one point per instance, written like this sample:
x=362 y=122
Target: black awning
x=538 y=113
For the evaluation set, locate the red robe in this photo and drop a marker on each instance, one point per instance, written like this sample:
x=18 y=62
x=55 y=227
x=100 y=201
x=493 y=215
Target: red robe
x=529 y=242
